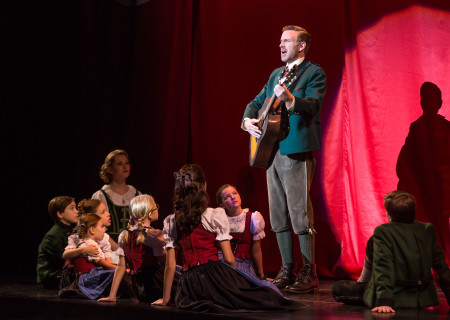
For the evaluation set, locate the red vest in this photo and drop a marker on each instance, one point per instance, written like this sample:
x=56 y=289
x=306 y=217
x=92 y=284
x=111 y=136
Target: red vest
x=197 y=247
x=82 y=265
x=137 y=255
x=241 y=244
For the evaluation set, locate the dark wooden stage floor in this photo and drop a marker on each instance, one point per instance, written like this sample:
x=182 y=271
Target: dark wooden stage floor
x=23 y=299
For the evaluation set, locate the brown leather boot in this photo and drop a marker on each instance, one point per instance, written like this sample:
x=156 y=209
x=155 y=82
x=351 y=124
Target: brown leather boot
x=306 y=282
x=285 y=276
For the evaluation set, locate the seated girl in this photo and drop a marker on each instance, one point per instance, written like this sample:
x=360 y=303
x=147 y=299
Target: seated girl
x=208 y=284
x=247 y=230
x=94 y=274
x=106 y=245
x=141 y=248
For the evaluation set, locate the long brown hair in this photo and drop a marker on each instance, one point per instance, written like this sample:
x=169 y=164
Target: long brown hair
x=190 y=198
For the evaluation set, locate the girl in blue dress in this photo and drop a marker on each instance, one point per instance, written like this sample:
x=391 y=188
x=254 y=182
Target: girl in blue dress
x=94 y=273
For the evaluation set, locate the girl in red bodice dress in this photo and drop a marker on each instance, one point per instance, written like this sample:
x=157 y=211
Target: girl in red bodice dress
x=208 y=284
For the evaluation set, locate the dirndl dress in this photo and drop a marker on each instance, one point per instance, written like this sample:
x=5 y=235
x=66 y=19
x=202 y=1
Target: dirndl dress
x=95 y=282
x=210 y=285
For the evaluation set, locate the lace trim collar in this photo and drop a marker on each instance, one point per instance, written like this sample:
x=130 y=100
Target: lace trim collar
x=240 y=217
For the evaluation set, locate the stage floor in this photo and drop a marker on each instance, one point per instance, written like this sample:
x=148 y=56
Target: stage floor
x=23 y=299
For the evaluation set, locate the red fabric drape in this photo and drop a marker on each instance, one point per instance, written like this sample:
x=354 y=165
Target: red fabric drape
x=377 y=102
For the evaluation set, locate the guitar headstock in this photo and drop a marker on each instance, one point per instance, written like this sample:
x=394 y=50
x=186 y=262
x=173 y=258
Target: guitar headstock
x=290 y=76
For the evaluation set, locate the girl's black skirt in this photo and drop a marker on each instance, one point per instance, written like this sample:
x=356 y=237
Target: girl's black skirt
x=217 y=287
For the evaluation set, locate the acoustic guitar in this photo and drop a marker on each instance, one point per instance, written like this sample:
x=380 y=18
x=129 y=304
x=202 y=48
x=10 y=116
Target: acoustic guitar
x=262 y=148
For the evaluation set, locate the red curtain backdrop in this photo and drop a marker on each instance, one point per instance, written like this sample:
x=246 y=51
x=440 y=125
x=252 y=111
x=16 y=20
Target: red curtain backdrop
x=378 y=100
x=168 y=81
x=189 y=68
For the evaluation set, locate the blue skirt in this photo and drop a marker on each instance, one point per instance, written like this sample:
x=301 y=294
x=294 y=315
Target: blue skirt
x=94 y=282
x=245 y=265
x=245 y=268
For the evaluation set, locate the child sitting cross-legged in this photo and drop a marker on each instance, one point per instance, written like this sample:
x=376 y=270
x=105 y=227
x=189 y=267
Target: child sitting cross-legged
x=400 y=257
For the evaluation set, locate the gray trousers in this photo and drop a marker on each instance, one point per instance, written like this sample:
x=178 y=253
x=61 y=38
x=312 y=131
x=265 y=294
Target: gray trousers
x=288 y=184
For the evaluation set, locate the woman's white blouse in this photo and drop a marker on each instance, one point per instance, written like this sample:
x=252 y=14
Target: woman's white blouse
x=213 y=220
x=117 y=199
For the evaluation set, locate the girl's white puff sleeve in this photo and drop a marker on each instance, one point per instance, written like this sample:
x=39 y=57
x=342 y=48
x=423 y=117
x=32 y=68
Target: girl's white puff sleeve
x=89 y=243
x=170 y=232
x=257 y=226
x=155 y=240
x=105 y=246
x=72 y=242
x=215 y=220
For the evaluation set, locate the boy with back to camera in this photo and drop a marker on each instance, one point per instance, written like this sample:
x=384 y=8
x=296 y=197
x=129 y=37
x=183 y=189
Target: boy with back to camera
x=404 y=252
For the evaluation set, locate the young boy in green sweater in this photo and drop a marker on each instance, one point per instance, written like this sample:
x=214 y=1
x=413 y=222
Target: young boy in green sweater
x=63 y=211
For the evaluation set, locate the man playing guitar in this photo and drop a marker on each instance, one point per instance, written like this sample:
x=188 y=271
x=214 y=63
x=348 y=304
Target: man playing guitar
x=292 y=164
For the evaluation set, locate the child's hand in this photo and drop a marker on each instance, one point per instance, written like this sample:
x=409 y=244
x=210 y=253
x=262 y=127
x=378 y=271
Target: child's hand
x=108 y=299
x=261 y=276
x=383 y=309
x=160 y=302
x=91 y=250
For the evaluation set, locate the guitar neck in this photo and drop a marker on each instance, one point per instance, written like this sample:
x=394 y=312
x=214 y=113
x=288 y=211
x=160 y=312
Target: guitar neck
x=286 y=78
x=269 y=106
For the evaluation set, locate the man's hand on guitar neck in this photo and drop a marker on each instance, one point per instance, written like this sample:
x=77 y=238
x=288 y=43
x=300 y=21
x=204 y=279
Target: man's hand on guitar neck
x=249 y=126
x=284 y=95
